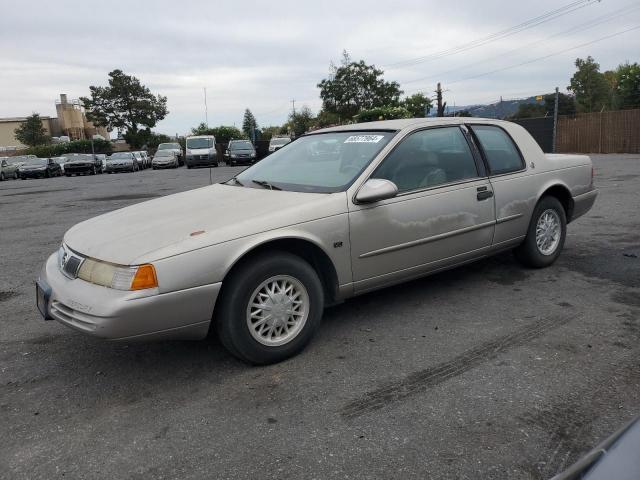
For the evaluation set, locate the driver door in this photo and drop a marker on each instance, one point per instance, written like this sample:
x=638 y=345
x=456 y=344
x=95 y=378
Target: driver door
x=443 y=214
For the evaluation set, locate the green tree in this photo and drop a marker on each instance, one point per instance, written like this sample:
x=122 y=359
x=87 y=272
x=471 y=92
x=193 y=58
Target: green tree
x=355 y=86
x=327 y=119
x=627 y=86
x=269 y=132
x=249 y=124
x=301 y=121
x=418 y=104
x=31 y=132
x=382 y=113
x=222 y=133
x=589 y=86
x=127 y=105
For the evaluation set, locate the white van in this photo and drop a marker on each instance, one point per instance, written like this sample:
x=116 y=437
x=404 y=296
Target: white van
x=201 y=151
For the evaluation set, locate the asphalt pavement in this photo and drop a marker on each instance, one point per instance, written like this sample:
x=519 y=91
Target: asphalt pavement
x=488 y=371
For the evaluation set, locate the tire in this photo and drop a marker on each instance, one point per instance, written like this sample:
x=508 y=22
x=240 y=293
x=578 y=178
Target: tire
x=67 y=174
x=529 y=252
x=242 y=287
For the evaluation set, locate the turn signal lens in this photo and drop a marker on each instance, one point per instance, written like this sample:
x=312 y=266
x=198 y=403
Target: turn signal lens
x=145 y=277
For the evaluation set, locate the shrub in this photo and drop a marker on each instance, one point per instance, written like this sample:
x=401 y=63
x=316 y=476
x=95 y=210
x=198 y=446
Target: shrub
x=77 y=146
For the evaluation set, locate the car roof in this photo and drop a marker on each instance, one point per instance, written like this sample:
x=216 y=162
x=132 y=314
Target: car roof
x=402 y=123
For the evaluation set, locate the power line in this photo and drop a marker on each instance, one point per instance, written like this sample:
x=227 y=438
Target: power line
x=545 y=17
x=541 y=58
x=581 y=27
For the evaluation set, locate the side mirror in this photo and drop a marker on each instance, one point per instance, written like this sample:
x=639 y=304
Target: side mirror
x=376 y=189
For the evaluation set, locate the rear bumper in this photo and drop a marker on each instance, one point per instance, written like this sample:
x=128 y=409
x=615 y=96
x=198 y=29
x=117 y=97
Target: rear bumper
x=583 y=203
x=121 y=315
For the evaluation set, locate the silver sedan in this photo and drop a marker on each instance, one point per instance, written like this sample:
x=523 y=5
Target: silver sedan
x=339 y=212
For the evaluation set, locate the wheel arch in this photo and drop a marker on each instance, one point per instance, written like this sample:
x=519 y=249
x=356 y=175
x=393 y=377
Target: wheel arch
x=304 y=248
x=563 y=194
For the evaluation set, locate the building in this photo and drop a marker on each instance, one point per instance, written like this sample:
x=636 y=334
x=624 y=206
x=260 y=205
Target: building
x=71 y=121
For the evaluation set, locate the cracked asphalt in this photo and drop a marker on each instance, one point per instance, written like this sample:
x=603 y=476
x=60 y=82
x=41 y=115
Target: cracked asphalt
x=487 y=371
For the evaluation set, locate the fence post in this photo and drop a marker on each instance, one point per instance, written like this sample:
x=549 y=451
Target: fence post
x=555 y=121
x=600 y=134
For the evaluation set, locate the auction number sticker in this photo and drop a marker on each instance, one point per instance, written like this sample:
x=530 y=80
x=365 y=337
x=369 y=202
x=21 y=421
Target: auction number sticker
x=364 y=139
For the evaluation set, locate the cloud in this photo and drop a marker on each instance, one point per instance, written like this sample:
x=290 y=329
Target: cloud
x=262 y=55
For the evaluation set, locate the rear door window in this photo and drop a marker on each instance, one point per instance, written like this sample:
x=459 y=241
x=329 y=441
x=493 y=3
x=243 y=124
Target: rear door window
x=498 y=148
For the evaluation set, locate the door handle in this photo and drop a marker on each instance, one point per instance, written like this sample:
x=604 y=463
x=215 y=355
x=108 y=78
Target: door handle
x=484 y=193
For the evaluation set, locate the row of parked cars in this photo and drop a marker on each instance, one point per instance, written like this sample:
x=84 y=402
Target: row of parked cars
x=200 y=152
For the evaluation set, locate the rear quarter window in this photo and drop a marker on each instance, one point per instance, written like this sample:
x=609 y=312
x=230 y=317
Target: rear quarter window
x=501 y=153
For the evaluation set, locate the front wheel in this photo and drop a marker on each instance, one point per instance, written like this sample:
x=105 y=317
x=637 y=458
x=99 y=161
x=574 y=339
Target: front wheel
x=546 y=235
x=270 y=308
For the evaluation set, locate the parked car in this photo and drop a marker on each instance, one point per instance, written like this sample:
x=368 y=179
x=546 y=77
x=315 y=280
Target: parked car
x=164 y=159
x=277 y=143
x=121 y=162
x=269 y=248
x=240 y=152
x=7 y=169
x=201 y=151
x=145 y=158
x=19 y=160
x=139 y=160
x=60 y=161
x=82 y=164
x=176 y=148
x=616 y=457
x=103 y=160
x=39 y=168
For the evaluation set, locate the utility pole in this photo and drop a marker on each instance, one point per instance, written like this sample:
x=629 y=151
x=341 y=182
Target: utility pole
x=441 y=106
x=206 y=112
x=555 y=121
x=293 y=106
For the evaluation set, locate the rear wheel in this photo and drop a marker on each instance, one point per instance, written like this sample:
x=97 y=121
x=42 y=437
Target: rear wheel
x=546 y=235
x=270 y=308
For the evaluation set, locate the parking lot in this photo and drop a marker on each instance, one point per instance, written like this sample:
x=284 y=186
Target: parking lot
x=487 y=371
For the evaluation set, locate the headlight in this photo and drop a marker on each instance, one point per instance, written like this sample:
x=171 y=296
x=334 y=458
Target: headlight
x=118 y=277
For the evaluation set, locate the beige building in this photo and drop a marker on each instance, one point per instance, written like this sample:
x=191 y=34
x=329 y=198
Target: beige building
x=71 y=121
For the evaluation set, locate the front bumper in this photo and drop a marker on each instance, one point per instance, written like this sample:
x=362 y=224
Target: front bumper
x=32 y=173
x=119 y=168
x=79 y=168
x=201 y=160
x=164 y=165
x=127 y=315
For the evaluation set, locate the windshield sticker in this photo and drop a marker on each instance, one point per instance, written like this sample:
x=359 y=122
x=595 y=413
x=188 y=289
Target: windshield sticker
x=364 y=139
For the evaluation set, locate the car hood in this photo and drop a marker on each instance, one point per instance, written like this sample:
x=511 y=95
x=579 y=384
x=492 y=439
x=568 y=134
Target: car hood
x=164 y=227
x=32 y=167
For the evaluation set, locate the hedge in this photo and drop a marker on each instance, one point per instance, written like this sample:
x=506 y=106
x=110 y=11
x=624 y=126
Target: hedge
x=77 y=146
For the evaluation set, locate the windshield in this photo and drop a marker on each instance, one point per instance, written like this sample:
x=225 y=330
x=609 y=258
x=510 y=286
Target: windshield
x=168 y=146
x=35 y=161
x=199 y=143
x=324 y=163
x=241 y=146
x=280 y=141
x=120 y=155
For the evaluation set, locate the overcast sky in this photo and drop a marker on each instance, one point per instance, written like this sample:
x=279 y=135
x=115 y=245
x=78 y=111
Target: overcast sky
x=261 y=55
